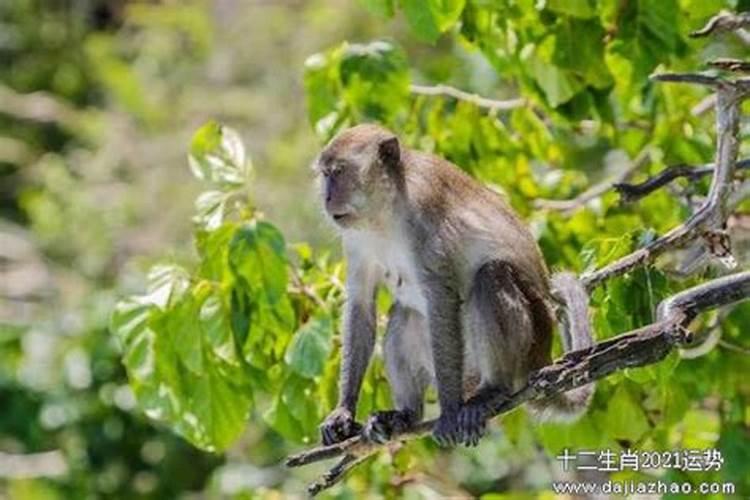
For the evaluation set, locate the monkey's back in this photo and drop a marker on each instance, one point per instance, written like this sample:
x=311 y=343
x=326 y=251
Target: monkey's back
x=474 y=224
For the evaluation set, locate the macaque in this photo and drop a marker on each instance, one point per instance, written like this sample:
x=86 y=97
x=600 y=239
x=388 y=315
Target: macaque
x=473 y=301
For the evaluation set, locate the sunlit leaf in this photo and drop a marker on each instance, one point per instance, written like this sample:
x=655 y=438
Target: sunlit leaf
x=217 y=155
x=310 y=347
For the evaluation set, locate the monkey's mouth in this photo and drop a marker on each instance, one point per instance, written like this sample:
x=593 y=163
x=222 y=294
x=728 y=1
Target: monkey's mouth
x=342 y=217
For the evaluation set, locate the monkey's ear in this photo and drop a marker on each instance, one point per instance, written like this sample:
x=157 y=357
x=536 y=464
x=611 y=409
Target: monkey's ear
x=389 y=152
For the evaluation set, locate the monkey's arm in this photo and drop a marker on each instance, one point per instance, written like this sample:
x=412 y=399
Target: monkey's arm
x=443 y=316
x=358 y=343
x=357 y=346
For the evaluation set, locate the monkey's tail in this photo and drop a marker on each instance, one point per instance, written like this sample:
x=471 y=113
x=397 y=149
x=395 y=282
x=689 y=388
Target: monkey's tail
x=575 y=329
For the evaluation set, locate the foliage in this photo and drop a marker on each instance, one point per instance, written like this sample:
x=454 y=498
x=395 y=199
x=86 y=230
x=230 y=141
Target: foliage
x=233 y=342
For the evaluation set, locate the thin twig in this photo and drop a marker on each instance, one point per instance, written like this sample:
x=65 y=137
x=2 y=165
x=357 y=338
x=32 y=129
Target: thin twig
x=735 y=65
x=461 y=95
x=631 y=192
x=597 y=190
x=735 y=348
x=723 y=22
x=640 y=347
x=694 y=78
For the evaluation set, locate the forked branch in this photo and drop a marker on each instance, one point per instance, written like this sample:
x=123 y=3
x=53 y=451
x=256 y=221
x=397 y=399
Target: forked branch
x=709 y=219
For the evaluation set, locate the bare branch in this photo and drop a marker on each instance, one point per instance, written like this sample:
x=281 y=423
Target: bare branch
x=723 y=22
x=704 y=105
x=734 y=348
x=632 y=192
x=694 y=78
x=461 y=95
x=640 y=347
x=597 y=190
x=735 y=65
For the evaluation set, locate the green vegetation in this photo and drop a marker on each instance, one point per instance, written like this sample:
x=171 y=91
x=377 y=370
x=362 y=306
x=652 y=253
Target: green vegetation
x=173 y=334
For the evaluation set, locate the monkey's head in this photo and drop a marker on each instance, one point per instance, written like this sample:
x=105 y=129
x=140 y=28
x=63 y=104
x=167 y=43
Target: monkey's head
x=359 y=172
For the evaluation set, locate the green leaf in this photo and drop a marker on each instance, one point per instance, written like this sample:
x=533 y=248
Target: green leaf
x=311 y=347
x=429 y=18
x=217 y=155
x=375 y=78
x=624 y=416
x=166 y=282
x=220 y=410
x=257 y=255
x=647 y=35
x=384 y=8
x=422 y=19
x=583 y=9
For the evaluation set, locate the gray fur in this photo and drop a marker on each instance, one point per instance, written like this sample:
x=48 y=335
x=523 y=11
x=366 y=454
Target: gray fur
x=472 y=312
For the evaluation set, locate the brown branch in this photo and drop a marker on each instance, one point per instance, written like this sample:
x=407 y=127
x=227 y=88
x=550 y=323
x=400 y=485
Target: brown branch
x=735 y=65
x=722 y=23
x=640 y=347
x=693 y=78
x=461 y=95
x=632 y=192
x=595 y=191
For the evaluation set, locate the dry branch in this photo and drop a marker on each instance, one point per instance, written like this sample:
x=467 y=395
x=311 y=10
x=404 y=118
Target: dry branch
x=722 y=23
x=461 y=95
x=595 y=191
x=712 y=214
x=735 y=65
x=632 y=192
x=641 y=347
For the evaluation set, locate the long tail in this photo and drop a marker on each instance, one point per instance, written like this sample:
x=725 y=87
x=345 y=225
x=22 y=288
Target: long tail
x=576 y=334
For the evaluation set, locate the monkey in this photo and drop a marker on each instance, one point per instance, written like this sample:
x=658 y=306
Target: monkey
x=473 y=309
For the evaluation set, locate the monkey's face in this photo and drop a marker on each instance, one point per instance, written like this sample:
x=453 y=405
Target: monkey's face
x=341 y=187
x=354 y=184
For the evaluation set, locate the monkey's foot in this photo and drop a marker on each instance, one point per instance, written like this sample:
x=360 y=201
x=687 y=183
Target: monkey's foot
x=338 y=426
x=473 y=415
x=472 y=423
x=382 y=425
x=447 y=431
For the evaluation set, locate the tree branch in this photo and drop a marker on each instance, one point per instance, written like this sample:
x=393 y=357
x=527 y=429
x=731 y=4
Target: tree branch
x=639 y=347
x=632 y=192
x=461 y=95
x=735 y=65
x=722 y=23
x=711 y=215
x=595 y=191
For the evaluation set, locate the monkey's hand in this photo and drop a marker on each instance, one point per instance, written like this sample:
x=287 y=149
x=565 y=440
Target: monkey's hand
x=338 y=426
x=382 y=425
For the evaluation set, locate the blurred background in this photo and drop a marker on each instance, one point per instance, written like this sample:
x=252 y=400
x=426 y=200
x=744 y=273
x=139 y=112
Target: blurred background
x=98 y=102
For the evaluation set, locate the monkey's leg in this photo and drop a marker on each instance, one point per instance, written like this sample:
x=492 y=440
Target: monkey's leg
x=503 y=337
x=407 y=363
